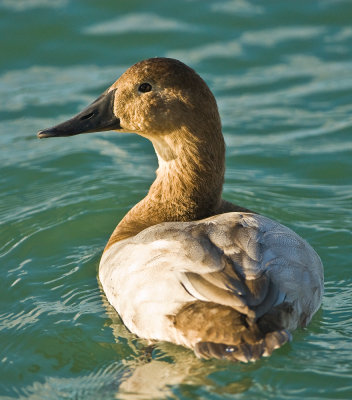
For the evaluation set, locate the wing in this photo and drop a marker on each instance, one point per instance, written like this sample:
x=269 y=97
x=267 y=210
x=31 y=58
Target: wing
x=252 y=264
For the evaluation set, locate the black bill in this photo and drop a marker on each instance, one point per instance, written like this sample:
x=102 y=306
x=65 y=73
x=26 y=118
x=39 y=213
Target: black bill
x=97 y=117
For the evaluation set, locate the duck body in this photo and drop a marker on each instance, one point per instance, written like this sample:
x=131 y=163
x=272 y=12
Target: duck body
x=249 y=270
x=184 y=265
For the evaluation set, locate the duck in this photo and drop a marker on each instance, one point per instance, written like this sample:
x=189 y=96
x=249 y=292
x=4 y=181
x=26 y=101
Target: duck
x=184 y=265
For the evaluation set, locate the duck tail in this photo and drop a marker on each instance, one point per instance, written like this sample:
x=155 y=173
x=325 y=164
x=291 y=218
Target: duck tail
x=218 y=331
x=246 y=350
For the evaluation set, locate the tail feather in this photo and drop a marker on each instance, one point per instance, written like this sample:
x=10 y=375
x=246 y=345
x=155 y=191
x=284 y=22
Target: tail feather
x=244 y=352
x=216 y=331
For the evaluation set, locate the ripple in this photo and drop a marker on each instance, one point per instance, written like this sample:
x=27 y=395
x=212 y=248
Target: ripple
x=38 y=86
x=238 y=7
x=141 y=22
x=104 y=381
x=237 y=47
x=24 y=5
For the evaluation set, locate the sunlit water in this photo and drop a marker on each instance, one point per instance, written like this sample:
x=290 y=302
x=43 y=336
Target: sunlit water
x=282 y=74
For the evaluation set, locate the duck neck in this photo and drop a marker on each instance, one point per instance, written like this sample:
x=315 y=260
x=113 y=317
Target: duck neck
x=188 y=184
x=189 y=179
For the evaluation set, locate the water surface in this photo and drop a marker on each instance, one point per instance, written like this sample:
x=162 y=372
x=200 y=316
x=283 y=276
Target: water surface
x=282 y=74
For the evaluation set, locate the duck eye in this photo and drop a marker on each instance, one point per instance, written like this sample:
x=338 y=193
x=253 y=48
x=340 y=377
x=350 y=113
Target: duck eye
x=145 y=87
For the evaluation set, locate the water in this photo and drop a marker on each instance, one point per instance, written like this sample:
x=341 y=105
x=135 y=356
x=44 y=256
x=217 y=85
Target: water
x=281 y=72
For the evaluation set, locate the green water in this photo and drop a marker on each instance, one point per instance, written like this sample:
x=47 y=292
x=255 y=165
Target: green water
x=282 y=74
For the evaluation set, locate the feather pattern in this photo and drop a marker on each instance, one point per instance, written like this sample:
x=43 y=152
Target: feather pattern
x=215 y=281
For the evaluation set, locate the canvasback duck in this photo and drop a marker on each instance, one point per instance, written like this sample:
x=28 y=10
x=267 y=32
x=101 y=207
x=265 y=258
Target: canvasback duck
x=184 y=265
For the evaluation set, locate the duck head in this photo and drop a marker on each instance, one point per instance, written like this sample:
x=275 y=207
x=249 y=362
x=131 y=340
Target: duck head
x=167 y=102
x=158 y=98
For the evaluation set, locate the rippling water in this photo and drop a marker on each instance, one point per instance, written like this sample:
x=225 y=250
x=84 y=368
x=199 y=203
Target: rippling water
x=282 y=74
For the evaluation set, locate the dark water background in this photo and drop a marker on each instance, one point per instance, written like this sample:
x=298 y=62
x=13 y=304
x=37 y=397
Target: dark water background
x=282 y=74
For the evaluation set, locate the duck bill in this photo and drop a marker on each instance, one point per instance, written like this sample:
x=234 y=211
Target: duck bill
x=97 y=117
